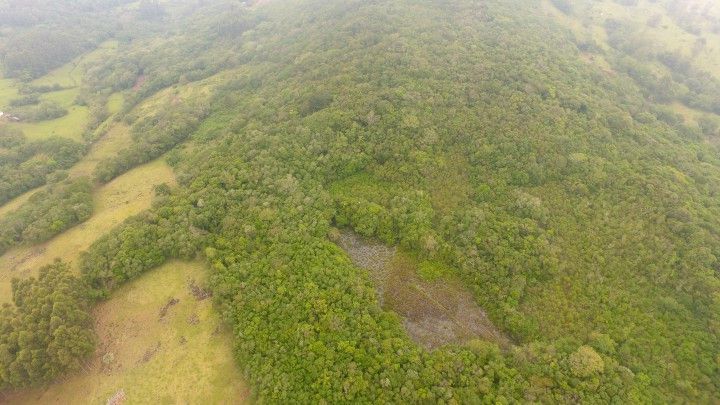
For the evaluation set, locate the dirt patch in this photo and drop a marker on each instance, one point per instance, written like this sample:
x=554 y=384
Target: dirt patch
x=166 y=307
x=198 y=292
x=117 y=399
x=150 y=353
x=193 y=319
x=435 y=312
x=139 y=82
x=369 y=255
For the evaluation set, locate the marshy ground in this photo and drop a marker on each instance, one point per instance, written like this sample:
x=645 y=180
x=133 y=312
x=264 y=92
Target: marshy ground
x=434 y=312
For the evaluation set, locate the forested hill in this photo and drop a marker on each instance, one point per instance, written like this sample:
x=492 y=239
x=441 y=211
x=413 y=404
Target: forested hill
x=493 y=139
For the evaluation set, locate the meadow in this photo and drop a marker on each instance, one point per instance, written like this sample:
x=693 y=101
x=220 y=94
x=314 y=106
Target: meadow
x=181 y=357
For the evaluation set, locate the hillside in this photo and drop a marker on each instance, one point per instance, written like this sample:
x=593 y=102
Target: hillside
x=444 y=201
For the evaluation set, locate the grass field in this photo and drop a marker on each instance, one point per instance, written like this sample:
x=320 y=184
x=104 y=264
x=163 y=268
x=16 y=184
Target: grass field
x=123 y=197
x=115 y=103
x=8 y=91
x=666 y=34
x=70 y=126
x=116 y=138
x=70 y=77
x=71 y=74
x=183 y=357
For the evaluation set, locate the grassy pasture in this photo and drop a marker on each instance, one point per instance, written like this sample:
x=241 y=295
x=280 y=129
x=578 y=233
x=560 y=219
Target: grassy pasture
x=71 y=74
x=115 y=103
x=70 y=126
x=8 y=91
x=70 y=77
x=183 y=357
x=123 y=197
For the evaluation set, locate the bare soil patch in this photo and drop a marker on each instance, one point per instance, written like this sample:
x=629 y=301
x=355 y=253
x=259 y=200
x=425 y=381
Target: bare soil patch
x=200 y=293
x=435 y=313
x=164 y=310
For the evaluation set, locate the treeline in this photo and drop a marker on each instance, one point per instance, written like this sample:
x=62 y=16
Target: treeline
x=48 y=331
x=47 y=213
x=684 y=82
x=41 y=37
x=25 y=165
x=140 y=244
x=42 y=111
x=153 y=136
x=180 y=54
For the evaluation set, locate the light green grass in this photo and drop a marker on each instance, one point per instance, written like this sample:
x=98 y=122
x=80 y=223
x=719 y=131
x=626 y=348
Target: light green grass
x=65 y=98
x=193 y=362
x=115 y=103
x=71 y=74
x=667 y=36
x=8 y=91
x=123 y=197
x=70 y=126
x=16 y=202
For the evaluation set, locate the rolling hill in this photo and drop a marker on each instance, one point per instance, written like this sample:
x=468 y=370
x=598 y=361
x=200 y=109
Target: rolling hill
x=443 y=201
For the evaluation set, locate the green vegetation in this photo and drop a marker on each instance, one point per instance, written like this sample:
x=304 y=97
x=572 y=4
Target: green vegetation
x=124 y=197
x=25 y=165
x=153 y=136
x=48 y=331
x=559 y=162
x=41 y=37
x=47 y=213
x=41 y=112
x=192 y=364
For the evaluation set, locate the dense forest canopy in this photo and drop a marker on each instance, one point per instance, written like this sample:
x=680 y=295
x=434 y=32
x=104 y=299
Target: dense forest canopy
x=568 y=179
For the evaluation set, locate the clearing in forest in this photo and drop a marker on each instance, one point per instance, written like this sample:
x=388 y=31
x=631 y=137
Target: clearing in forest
x=115 y=201
x=183 y=356
x=434 y=312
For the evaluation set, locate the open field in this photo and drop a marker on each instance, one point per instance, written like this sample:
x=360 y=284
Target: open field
x=8 y=91
x=181 y=357
x=123 y=197
x=70 y=126
x=70 y=77
x=116 y=138
x=71 y=74
x=115 y=103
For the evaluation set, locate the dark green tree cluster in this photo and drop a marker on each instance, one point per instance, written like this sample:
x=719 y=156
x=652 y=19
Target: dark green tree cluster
x=29 y=99
x=153 y=136
x=140 y=244
x=25 y=165
x=43 y=35
x=47 y=332
x=45 y=110
x=47 y=213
